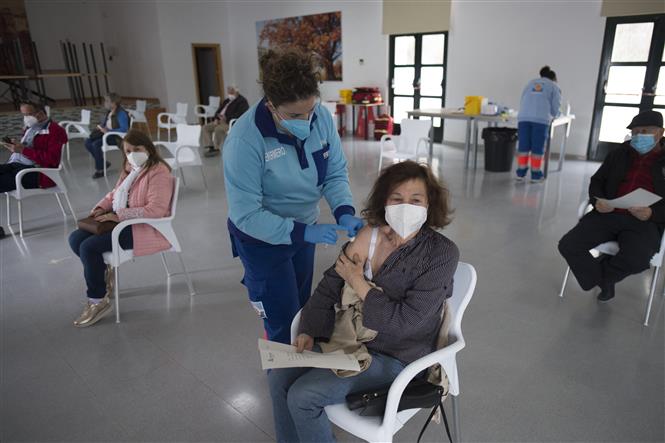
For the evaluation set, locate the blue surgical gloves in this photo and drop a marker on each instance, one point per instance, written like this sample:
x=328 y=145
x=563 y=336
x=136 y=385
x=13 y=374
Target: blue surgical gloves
x=322 y=233
x=351 y=223
x=328 y=233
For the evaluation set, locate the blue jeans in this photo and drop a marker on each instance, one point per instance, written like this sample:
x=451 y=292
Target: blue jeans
x=89 y=248
x=532 y=137
x=300 y=394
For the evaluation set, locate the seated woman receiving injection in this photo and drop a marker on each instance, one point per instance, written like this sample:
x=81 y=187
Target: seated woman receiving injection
x=144 y=190
x=402 y=271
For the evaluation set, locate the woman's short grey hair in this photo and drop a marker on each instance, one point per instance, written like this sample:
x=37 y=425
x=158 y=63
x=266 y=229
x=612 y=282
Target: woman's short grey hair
x=113 y=98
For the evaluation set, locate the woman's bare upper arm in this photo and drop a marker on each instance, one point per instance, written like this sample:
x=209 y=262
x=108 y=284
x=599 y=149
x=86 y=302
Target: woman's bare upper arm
x=360 y=245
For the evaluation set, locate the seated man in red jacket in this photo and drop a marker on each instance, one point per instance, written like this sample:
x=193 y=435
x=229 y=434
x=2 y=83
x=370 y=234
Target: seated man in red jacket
x=40 y=146
x=639 y=163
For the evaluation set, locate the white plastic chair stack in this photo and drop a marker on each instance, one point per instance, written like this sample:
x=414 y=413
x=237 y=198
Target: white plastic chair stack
x=406 y=146
x=185 y=150
x=21 y=193
x=138 y=115
x=382 y=429
x=207 y=111
x=169 y=120
x=79 y=129
x=118 y=256
x=612 y=248
x=106 y=146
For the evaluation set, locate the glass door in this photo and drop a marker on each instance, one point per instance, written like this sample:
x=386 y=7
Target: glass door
x=631 y=79
x=417 y=76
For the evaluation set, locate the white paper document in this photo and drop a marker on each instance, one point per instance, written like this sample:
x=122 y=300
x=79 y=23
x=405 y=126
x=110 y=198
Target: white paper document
x=639 y=198
x=277 y=355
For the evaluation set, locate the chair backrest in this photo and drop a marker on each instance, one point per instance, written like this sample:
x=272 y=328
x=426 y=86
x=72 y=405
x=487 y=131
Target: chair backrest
x=463 y=288
x=187 y=135
x=213 y=102
x=412 y=131
x=140 y=106
x=181 y=109
x=85 y=116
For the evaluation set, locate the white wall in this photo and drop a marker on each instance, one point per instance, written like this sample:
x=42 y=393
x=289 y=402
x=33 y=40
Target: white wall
x=495 y=47
x=134 y=31
x=361 y=39
x=184 y=23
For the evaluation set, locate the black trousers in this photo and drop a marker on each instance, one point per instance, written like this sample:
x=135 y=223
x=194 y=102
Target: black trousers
x=638 y=242
x=8 y=173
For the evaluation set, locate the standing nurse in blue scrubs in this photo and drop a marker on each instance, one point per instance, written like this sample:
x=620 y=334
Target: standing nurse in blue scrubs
x=282 y=156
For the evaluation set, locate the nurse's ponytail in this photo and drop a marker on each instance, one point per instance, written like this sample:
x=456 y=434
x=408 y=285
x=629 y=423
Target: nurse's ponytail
x=288 y=75
x=546 y=72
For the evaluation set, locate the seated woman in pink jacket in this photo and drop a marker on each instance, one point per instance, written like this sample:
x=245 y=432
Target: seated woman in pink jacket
x=144 y=190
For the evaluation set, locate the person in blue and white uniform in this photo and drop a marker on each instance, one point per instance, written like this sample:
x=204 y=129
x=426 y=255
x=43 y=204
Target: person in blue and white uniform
x=282 y=157
x=539 y=105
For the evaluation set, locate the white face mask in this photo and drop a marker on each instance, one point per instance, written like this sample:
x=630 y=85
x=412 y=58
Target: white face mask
x=137 y=159
x=405 y=219
x=29 y=121
x=231 y=96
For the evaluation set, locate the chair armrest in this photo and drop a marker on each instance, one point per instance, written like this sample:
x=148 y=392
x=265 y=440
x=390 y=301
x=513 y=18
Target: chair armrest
x=410 y=372
x=386 y=138
x=585 y=207
x=80 y=127
x=205 y=109
x=111 y=133
x=66 y=123
x=52 y=173
x=169 y=117
x=157 y=223
x=180 y=148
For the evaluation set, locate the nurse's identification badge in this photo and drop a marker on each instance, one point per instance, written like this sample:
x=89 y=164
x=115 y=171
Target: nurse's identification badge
x=258 y=307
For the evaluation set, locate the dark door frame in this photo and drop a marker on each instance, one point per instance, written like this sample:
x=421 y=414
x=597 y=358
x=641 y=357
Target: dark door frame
x=438 y=132
x=220 y=78
x=597 y=150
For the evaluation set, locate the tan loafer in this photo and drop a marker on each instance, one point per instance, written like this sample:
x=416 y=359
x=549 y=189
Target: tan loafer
x=92 y=313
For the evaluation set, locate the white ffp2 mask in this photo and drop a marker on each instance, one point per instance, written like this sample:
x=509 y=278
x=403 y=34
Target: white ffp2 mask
x=405 y=219
x=29 y=121
x=137 y=159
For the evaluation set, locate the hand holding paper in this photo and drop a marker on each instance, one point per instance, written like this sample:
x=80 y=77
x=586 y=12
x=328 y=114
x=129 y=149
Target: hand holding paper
x=639 y=198
x=277 y=355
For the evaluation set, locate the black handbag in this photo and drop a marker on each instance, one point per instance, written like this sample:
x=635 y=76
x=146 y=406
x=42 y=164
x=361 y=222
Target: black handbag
x=418 y=394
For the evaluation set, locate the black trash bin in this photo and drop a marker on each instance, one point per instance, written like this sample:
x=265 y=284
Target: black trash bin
x=499 y=148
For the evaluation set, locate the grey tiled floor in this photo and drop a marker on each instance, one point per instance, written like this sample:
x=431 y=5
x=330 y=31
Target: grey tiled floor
x=536 y=368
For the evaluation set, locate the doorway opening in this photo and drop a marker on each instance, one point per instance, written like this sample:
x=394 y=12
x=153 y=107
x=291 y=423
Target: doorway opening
x=207 y=58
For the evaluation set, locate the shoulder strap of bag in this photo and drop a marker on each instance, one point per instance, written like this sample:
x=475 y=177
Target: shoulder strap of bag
x=429 y=419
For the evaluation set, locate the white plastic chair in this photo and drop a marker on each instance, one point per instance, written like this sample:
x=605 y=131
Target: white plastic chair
x=138 y=115
x=207 y=111
x=106 y=146
x=21 y=193
x=79 y=129
x=612 y=248
x=406 y=145
x=171 y=120
x=382 y=429
x=118 y=256
x=185 y=150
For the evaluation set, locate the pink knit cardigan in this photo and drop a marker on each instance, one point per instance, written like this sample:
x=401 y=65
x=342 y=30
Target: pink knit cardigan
x=149 y=197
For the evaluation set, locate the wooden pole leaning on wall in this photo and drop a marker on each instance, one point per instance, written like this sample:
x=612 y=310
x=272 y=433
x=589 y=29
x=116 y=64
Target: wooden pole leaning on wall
x=63 y=47
x=94 y=67
x=87 y=69
x=79 y=79
x=106 y=68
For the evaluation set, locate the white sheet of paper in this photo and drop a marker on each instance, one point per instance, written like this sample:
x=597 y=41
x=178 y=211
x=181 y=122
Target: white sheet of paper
x=278 y=355
x=639 y=198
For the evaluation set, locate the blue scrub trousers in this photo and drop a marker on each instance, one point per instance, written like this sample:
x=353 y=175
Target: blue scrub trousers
x=532 y=137
x=279 y=281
